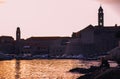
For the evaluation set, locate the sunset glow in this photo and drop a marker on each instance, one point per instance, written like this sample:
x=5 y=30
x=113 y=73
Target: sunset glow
x=110 y=1
x=51 y=17
x=2 y=1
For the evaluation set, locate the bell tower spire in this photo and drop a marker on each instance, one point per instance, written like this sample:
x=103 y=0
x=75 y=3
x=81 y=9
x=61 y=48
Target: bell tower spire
x=18 y=38
x=18 y=34
x=100 y=17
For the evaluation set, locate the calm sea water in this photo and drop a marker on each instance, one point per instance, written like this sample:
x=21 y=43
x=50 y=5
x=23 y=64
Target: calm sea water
x=40 y=69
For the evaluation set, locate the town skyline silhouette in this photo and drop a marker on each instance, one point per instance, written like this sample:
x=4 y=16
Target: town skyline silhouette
x=91 y=41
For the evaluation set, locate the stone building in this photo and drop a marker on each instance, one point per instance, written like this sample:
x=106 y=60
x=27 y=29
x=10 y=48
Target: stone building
x=94 y=40
x=33 y=45
x=45 y=45
x=53 y=46
x=7 y=44
x=58 y=47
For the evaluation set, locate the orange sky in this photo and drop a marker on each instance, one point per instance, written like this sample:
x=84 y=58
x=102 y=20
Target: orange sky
x=52 y=17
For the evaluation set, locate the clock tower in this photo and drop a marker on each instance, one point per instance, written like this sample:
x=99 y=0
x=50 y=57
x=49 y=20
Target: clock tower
x=100 y=17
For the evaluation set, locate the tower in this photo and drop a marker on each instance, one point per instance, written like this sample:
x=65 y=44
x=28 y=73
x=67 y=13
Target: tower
x=18 y=42
x=100 y=17
x=18 y=34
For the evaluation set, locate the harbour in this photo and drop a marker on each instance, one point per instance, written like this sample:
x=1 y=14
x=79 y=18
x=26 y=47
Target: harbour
x=39 y=69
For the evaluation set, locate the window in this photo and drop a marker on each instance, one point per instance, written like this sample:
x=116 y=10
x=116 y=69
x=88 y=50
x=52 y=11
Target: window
x=100 y=23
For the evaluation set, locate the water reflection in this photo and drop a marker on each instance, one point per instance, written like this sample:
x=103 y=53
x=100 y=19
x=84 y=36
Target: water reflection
x=38 y=69
x=7 y=69
x=17 y=69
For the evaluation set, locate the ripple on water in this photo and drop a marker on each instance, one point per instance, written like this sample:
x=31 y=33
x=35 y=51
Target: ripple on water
x=38 y=69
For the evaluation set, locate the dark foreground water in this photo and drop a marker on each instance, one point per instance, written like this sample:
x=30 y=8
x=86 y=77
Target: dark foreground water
x=40 y=69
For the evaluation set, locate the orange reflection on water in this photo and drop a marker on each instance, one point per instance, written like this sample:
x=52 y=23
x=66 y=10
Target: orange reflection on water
x=48 y=69
x=7 y=69
x=38 y=69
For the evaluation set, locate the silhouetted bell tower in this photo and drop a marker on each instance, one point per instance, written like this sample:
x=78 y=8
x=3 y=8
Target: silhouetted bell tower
x=18 y=42
x=18 y=34
x=100 y=17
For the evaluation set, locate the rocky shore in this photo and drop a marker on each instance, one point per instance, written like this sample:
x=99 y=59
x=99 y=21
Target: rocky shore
x=95 y=72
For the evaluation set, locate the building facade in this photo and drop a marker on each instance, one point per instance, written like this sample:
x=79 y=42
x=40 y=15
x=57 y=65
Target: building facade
x=45 y=45
x=94 y=40
x=7 y=45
